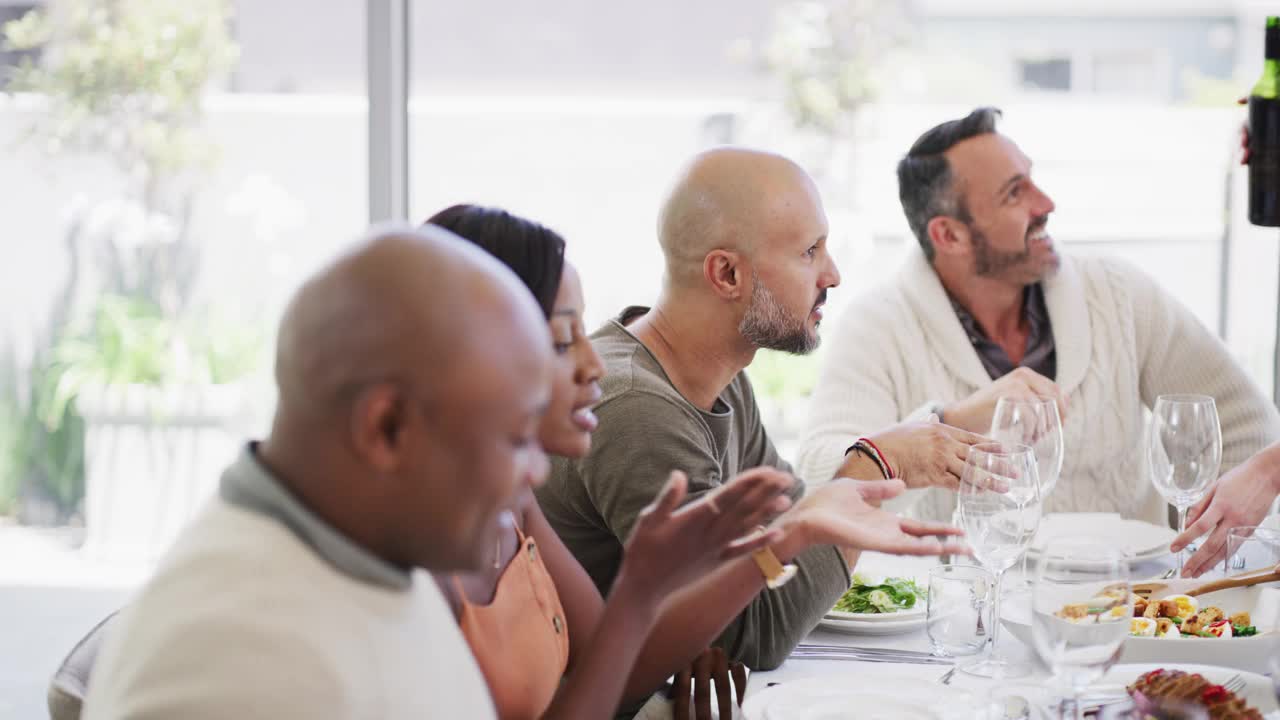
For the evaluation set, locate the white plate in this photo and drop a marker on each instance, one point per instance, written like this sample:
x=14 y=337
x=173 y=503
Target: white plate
x=867 y=696
x=858 y=626
x=1257 y=691
x=918 y=610
x=1142 y=540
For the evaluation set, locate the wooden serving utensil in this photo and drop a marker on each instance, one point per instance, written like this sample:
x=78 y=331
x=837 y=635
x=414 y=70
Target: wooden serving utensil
x=1253 y=577
x=1246 y=580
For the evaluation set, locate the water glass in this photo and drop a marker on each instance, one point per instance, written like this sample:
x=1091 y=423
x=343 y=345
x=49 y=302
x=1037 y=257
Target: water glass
x=1081 y=610
x=1034 y=422
x=959 y=609
x=1252 y=547
x=1184 y=450
x=999 y=502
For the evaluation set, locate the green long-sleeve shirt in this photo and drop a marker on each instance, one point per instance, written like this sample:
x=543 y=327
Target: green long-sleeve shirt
x=647 y=429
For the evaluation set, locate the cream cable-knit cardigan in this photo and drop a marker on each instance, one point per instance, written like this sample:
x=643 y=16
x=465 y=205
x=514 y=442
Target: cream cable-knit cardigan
x=1121 y=342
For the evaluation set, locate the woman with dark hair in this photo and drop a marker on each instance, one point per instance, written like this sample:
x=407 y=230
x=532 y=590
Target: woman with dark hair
x=667 y=640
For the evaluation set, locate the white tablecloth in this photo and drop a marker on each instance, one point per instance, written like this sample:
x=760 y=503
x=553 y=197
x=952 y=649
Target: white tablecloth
x=1035 y=686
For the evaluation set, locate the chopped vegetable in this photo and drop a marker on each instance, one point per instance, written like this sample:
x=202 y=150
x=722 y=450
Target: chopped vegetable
x=891 y=595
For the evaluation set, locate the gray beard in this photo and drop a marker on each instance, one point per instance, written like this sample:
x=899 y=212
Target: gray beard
x=767 y=325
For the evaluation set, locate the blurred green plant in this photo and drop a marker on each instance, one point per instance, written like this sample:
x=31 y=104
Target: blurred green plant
x=782 y=376
x=829 y=55
x=131 y=342
x=33 y=457
x=12 y=448
x=123 y=79
x=126 y=77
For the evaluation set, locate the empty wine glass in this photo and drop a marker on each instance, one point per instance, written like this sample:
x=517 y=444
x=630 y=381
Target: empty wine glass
x=999 y=504
x=1184 y=450
x=1034 y=422
x=1081 y=609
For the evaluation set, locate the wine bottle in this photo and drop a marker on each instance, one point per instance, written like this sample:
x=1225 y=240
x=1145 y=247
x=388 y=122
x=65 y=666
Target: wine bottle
x=1264 y=135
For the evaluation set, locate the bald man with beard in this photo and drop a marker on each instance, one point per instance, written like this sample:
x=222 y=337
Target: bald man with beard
x=406 y=421
x=744 y=237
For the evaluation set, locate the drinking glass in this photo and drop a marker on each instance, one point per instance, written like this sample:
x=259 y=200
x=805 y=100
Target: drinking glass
x=1184 y=450
x=1250 y=548
x=1081 y=609
x=999 y=503
x=959 y=609
x=1035 y=422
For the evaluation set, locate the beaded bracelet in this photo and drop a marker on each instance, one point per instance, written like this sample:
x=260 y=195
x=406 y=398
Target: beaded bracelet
x=868 y=448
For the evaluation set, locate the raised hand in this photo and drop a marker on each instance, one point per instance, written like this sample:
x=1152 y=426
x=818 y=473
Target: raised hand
x=671 y=547
x=926 y=454
x=974 y=412
x=839 y=513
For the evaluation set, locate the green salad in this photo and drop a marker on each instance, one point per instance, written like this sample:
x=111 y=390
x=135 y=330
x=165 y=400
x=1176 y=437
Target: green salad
x=891 y=595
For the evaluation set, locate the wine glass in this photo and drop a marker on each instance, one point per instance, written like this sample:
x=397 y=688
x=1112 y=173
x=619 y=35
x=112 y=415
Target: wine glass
x=999 y=510
x=1032 y=421
x=1184 y=449
x=1081 y=609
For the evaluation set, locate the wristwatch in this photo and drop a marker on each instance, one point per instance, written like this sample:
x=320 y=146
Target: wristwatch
x=775 y=573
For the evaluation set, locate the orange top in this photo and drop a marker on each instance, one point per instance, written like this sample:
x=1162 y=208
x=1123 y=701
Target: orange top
x=520 y=640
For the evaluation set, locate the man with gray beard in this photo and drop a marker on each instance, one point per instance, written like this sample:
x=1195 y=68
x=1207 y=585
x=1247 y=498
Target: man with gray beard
x=988 y=309
x=744 y=236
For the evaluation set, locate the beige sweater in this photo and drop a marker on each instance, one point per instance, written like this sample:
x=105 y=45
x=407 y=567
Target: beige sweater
x=244 y=620
x=1121 y=342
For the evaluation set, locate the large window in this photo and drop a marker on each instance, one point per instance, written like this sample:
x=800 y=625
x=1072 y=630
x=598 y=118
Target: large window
x=169 y=172
x=184 y=232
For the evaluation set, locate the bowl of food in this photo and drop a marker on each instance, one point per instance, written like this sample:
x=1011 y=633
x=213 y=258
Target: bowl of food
x=1236 y=628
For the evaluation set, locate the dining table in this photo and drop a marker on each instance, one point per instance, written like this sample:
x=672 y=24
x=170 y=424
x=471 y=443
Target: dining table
x=988 y=697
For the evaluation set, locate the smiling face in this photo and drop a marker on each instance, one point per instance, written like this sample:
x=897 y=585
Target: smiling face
x=1007 y=213
x=482 y=433
x=790 y=272
x=567 y=426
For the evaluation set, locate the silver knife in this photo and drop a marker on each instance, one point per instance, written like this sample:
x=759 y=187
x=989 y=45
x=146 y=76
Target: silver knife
x=873 y=650
x=859 y=657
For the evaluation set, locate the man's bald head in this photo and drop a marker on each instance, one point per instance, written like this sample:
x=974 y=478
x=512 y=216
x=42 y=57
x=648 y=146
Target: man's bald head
x=413 y=372
x=403 y=301
x=728 y=198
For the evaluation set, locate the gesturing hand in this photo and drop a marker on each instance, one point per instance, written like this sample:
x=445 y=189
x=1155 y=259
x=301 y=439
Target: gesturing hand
x=1241 y=497
x=926 y=454
x=974 y=412
x=838 y=514
x=671 y=547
